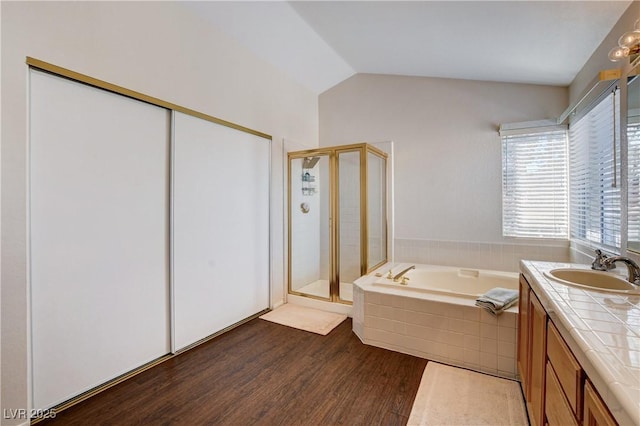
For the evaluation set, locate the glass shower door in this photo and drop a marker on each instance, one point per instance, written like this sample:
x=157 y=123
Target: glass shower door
x=309 y=226
x=350 y=221
x=376 y=210
x=337 y=227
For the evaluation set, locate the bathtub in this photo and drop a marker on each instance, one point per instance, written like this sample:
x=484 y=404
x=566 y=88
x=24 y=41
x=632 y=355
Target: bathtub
x=434 y=316
x=457 y=282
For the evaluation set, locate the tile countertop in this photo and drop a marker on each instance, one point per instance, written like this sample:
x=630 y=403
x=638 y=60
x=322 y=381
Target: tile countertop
x=603 y=331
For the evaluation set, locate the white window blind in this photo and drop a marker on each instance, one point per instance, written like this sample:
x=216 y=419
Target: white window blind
x=633 y=140
x=594 y=153
x=534 y=185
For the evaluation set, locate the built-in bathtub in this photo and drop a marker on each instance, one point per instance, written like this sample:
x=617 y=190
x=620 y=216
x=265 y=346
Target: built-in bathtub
x=434 y=316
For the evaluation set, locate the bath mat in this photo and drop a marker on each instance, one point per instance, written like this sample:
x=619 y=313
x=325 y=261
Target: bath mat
x=454 y=396
x=302 y=318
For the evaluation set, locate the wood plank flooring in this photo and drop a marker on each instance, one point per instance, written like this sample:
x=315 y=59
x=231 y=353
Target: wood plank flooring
x=265 y=374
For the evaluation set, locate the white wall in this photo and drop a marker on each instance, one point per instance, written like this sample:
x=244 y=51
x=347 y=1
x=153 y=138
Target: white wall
x=157 y=48
x=447 y=158
x=599 y=60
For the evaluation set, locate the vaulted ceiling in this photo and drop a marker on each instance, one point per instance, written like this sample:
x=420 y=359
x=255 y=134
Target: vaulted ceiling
x=321 y=43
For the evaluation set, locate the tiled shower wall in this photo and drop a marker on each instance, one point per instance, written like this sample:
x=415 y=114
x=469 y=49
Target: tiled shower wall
x=494 y=256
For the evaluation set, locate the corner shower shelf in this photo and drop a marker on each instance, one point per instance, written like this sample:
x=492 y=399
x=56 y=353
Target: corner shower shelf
x=307 y=180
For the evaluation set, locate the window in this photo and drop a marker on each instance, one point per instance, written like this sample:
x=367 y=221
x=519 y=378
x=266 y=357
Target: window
x=594 y=154
x=633 y=139
x=534 y=183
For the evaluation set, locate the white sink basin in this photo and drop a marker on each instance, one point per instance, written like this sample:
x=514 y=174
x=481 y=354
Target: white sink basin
x=594 y=280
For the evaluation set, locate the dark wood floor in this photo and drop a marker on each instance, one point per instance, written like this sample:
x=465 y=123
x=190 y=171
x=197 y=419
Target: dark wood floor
x=267 y=374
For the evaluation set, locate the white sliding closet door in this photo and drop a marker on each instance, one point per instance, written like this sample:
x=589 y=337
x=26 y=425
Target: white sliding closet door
x=220 y=227
x=99 y=183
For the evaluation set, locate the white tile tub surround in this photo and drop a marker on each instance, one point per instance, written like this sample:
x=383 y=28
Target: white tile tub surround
x=481 y=255
x=603 y=332
x=437 y=327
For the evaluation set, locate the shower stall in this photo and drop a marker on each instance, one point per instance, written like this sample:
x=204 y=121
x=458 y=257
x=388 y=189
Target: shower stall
x=337 y=228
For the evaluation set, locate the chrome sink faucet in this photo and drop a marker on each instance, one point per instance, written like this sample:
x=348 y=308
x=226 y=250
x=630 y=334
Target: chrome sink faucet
x=602 y=262
x=597 y=263
x=634 y=269
x=399 y=275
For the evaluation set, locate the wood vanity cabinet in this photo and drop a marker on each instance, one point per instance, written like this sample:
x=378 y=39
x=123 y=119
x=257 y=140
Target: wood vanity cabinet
x=538 y=360
x=557 y=409
x=532 y=337
x=523 y=336
x=595 y=410
x=555 y=386
x=567 y=370
x=565 y=379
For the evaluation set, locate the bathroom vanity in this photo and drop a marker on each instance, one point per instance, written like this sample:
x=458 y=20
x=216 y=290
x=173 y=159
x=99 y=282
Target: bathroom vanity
x=578 y=350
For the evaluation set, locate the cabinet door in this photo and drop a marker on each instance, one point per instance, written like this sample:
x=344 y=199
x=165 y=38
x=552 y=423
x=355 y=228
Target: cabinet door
x=569 y=373
x=595 y=411
x=538 y=333
x=523 y=335
x=557 y=408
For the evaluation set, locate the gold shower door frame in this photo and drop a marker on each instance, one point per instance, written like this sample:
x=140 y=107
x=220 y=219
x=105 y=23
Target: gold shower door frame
x=333 y=154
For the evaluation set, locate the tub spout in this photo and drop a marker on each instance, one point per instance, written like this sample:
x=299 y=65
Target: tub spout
x=399 y=275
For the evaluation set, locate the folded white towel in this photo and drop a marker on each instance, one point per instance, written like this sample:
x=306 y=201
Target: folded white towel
x=497 y=300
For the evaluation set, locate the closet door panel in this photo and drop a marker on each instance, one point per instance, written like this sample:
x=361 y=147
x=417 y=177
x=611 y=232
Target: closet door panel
x=220 y=227
x=99 y=182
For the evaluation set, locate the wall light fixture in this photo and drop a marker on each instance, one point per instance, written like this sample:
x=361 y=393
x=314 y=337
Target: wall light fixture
x=628 y=44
